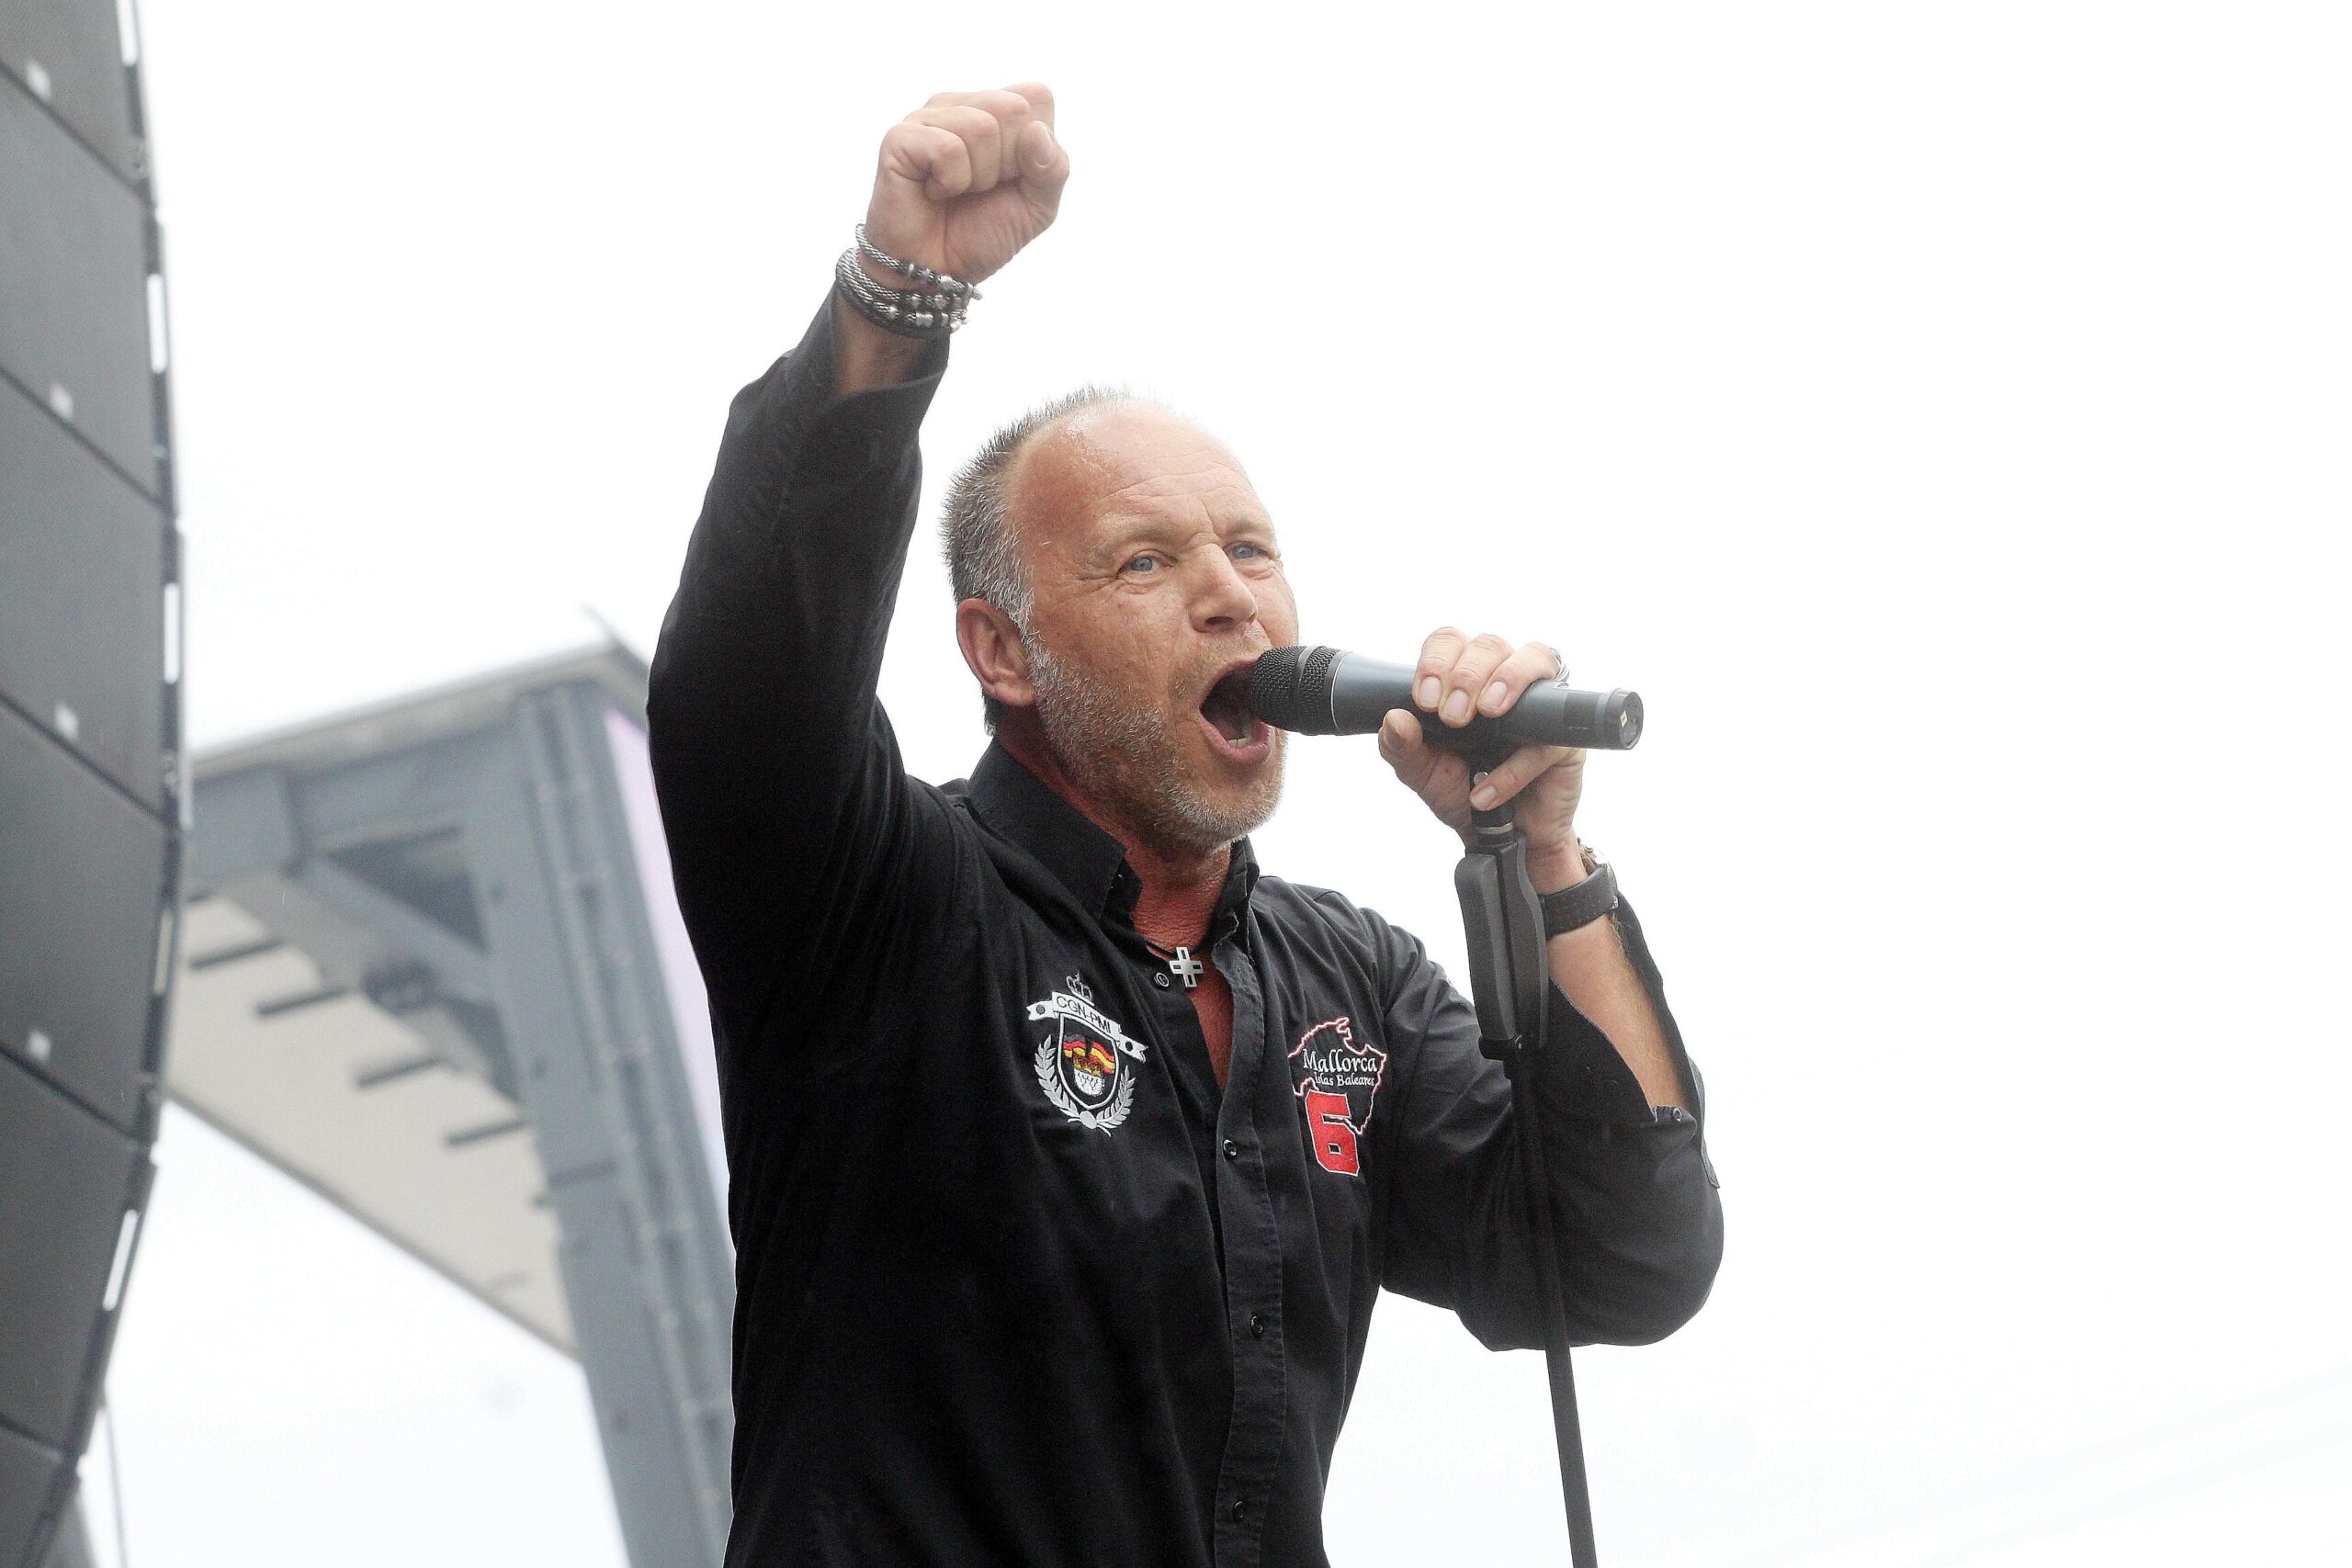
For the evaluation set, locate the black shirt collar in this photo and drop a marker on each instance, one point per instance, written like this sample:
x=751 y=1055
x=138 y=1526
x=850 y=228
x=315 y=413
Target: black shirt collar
x=1087 y=861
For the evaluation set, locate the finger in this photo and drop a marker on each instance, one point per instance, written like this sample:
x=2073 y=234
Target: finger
x=1008 y=104
x=1438 y=654
x=1039 y=98
x=1519 y=770
x=927 y=156
x=1474 y=668
x=1008 y=108
x=983 y=139
x=1534 y=662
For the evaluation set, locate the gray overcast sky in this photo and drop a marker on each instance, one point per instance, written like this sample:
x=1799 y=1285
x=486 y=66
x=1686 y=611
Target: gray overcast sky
x=1939 y=412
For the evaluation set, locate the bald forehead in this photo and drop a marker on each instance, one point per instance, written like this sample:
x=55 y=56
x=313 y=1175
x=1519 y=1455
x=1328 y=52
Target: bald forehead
x=1137 y=436
x=1120 y=458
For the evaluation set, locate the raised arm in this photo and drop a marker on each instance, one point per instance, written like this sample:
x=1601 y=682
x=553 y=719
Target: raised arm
x=962 y=185
x=781 y=788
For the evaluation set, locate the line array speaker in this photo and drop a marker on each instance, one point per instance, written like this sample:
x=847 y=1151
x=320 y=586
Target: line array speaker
x=91 y=814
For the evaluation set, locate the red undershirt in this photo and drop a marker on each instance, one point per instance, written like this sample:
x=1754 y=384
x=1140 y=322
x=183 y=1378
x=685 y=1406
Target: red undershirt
x=1213 y=1001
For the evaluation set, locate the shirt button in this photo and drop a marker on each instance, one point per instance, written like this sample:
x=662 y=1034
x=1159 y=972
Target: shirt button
x=1160 y=979
x=1241 y=1510
x=1256 y=1325
x=1232 y=1149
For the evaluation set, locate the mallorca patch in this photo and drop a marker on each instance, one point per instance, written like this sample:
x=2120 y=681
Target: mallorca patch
x=1337 y=1077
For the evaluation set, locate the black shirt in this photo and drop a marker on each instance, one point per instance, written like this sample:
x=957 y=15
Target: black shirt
x=1016 y=1283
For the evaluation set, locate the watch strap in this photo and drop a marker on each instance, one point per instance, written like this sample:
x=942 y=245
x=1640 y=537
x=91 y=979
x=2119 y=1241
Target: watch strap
x=1582 y=903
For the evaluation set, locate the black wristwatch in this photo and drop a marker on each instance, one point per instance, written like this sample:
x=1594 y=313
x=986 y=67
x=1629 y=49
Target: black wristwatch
x=1581 y=903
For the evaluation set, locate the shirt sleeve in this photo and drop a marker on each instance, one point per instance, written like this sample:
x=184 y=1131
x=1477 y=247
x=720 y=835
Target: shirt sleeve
x=783 y=796
x=1638 y=1225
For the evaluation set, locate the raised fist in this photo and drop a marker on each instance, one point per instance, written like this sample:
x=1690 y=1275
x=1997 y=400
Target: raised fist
x=967 y=180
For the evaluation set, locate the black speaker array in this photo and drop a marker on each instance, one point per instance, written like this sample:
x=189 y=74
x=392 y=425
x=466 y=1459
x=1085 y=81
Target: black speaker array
x=90 y=788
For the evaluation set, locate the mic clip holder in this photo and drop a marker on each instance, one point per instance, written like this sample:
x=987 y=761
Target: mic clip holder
x=1502 y=919
x=1511 y=982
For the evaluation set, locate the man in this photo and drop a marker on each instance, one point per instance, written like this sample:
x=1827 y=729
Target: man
x=1069 y=1153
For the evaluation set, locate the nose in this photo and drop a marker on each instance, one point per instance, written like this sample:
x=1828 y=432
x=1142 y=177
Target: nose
x=1222 y=597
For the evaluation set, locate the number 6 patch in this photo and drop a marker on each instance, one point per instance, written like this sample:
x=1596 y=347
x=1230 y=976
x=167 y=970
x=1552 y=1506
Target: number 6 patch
x=1338 y=1077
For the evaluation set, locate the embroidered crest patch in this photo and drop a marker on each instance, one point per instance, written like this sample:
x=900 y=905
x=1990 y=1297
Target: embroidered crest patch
x=1339 y=1078
x=1084 y=1066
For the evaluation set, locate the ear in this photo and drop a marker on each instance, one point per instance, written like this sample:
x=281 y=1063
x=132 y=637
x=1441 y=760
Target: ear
x=993 y=653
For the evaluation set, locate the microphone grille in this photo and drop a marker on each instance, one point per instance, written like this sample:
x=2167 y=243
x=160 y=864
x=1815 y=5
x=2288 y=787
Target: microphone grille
x=1290 y=688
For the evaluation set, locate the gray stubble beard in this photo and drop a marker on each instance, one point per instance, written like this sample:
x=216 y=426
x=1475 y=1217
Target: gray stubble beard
x=1119 y=756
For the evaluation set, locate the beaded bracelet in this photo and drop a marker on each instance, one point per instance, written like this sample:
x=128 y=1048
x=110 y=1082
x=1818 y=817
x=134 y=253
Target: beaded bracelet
x=903 y=312
x=932 y=312
x=938 y=280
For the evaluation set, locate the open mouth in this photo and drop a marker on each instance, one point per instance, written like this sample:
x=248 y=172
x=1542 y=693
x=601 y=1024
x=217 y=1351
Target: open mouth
x=1227 y=708
x=1226 y=711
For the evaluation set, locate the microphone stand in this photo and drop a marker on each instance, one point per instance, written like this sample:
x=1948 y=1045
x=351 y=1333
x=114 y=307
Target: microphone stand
x=1511 y=982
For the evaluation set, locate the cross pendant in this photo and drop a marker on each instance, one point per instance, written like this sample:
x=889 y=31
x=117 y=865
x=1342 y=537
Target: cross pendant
x=1186 y=967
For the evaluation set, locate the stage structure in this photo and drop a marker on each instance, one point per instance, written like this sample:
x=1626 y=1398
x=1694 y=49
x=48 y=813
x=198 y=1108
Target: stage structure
x=90 y=793
x=433 y=969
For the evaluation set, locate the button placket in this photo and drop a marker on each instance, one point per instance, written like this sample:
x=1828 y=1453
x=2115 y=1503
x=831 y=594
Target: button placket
x=1254 y=1261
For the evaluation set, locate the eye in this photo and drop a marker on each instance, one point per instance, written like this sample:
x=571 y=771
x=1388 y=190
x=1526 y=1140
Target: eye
x=1246 y=550
x=1143 y=565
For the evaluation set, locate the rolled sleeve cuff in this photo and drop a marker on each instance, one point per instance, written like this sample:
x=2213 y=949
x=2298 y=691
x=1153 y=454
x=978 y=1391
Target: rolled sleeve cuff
x=1584 y=1075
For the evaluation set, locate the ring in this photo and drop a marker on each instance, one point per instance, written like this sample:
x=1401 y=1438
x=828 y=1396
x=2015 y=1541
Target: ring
x=1559 y=661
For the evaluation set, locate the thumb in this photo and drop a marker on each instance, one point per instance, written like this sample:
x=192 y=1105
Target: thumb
x=1402 y=746
x=1044 y=166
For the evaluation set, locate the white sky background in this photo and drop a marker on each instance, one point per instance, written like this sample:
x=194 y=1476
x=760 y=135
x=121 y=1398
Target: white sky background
x=1938 y=414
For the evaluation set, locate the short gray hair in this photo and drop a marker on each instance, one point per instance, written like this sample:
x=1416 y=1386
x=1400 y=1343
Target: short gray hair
x=977 y=533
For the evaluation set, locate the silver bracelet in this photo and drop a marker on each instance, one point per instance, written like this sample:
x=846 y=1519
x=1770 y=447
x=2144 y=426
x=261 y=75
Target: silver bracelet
x=906 y=299
x=906 y=312
x=938 y=280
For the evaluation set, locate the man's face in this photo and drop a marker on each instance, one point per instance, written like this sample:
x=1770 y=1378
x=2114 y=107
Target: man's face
x=1155 y=584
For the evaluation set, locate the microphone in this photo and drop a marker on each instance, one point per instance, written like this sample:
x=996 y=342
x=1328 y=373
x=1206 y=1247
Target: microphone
x=1321 y=691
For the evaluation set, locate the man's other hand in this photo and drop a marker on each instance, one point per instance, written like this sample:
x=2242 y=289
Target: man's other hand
x=967 y=180
x=961 y=184
x=1458 y=678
